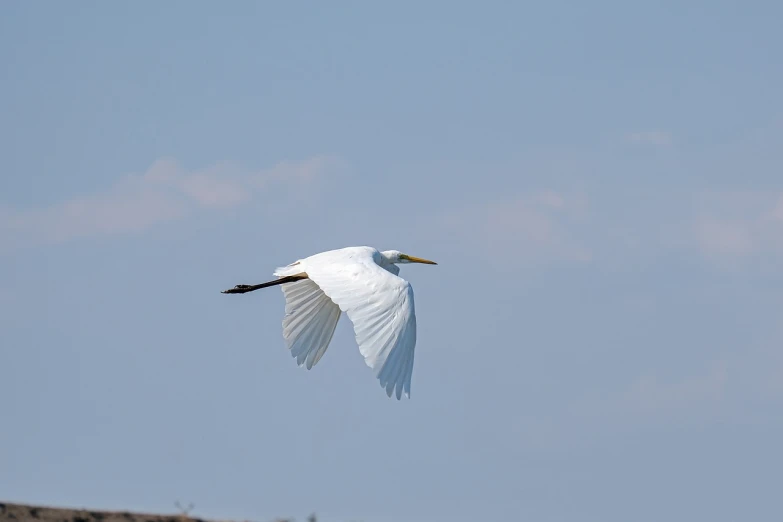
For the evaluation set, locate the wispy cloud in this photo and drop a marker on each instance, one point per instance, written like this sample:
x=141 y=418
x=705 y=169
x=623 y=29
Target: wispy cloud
x=650 y=394
x=727 y=229
x=165 y=192
x=720 y=237
x=633 y=404
x=655 y=137
x=532 y=226
x=739 y=225
x=727 y=382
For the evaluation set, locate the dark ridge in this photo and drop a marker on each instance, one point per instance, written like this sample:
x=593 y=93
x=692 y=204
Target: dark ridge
x=29 y=513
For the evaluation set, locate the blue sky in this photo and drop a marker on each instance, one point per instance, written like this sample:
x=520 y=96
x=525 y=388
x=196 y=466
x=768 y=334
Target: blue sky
x=602 y=339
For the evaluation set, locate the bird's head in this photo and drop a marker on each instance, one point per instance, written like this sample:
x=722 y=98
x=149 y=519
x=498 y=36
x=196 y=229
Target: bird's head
x=397 y=257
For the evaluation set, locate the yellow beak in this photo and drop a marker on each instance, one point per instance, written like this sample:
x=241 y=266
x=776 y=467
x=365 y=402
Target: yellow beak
x=413 y=259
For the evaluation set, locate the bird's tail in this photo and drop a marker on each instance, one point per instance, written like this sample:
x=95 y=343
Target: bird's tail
x=289 y=270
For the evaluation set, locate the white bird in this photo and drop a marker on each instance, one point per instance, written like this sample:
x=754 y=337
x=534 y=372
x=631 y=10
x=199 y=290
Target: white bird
x=363 y=283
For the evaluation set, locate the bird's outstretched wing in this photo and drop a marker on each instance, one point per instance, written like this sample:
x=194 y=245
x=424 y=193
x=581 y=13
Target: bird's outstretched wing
x=380 y=305
x=309 y=322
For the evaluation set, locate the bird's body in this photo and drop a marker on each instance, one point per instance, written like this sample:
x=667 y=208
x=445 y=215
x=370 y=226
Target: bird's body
x=364 y=283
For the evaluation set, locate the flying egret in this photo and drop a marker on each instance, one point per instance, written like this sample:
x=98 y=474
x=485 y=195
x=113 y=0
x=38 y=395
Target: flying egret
x=364 y=283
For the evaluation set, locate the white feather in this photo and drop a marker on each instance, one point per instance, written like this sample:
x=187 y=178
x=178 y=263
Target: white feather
x=362 y=283
x=309 y=323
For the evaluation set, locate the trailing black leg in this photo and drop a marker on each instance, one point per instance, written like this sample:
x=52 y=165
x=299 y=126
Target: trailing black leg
x=243 y=289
